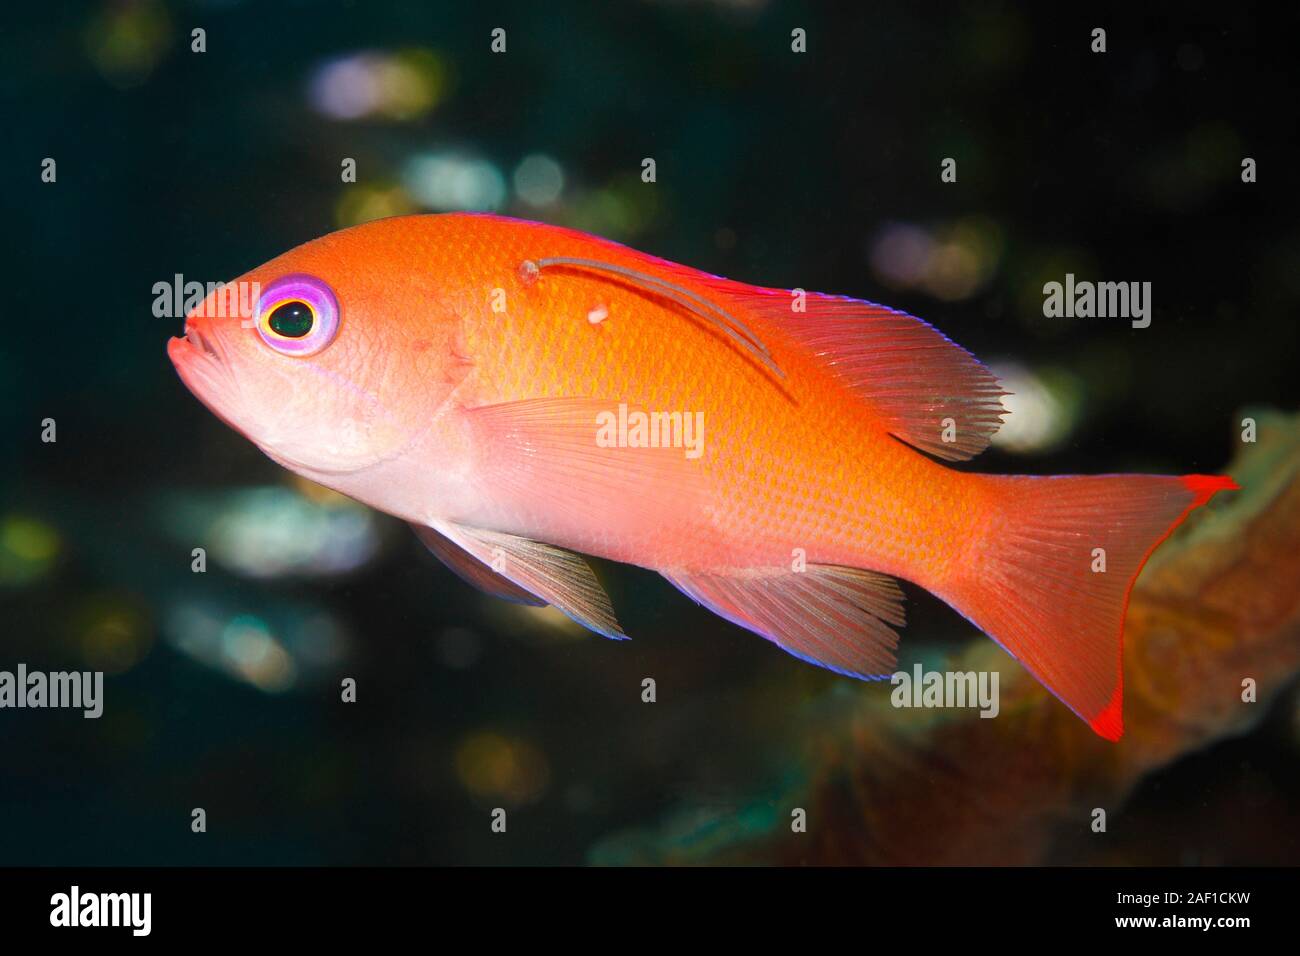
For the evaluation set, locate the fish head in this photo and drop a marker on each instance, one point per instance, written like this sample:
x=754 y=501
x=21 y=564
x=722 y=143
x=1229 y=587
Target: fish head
x=332 y=358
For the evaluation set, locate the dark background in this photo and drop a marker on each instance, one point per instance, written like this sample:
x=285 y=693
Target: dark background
x=772 y=167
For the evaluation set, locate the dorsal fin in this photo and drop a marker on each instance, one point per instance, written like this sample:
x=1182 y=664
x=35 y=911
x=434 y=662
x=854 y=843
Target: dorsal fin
x=710 y=312
x=931 y=392
x=912 y=375
x=934 y=394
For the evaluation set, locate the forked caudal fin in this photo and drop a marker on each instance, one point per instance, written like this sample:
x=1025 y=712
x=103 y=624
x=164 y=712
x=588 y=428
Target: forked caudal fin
x=1051 y=577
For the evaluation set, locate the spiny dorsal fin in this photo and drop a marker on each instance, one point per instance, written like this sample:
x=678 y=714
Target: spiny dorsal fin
x=833 y=616
x=560 y=578
x=708 y=311
x=931 y=392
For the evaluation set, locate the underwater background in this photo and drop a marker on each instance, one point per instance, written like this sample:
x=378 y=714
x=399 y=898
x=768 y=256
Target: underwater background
x=819 y=170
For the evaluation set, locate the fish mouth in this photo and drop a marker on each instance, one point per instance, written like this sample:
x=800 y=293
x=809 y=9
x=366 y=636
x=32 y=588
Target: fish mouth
x=191 y=345
x=202 y=366
x=194 y=356
x=196 y=339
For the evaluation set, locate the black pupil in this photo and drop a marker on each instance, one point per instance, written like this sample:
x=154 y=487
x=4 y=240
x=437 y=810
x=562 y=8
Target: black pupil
x=292 y=320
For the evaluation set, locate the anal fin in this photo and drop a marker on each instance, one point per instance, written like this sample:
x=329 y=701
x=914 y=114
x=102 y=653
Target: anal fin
x=836 y=617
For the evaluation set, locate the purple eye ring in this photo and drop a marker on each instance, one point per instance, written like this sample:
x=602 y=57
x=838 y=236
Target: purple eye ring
x=297 y=315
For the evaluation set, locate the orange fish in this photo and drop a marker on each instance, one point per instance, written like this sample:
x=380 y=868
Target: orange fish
x=520 y=392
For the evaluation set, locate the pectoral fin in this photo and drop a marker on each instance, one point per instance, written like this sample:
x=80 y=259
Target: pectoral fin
x=568 y=450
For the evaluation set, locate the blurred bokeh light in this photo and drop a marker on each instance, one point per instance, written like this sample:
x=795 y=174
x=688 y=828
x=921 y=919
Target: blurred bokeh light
x=452 y=180
x=400 y=86
x=276 y=531
x=1043 y=408
x=28 y=549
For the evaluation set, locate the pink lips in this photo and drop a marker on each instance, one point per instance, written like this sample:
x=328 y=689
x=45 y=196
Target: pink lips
x=204 y=372
x=192 y=344
x=179 y=349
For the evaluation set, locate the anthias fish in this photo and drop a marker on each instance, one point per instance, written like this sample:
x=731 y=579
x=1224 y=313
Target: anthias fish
x=522 y=393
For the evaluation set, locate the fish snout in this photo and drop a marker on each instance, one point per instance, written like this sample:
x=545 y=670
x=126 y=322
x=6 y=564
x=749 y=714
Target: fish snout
x=203 y=367
x=194 y=344
x=200 y=342
x=199 y=357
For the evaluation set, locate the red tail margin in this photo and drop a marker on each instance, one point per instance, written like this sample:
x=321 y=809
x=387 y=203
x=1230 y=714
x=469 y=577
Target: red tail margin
x=1050 y=580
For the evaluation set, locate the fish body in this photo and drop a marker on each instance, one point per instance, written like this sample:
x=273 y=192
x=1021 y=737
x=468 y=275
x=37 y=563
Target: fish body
x=522 y=394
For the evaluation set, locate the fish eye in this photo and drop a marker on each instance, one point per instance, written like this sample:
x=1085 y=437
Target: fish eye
x=297 y=315
x=293 y=319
